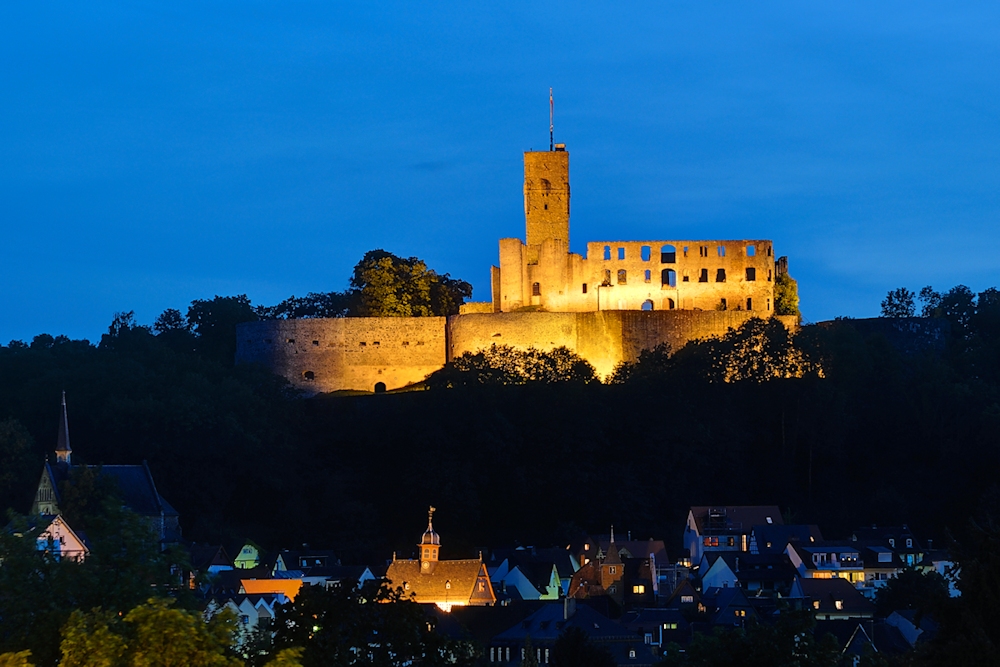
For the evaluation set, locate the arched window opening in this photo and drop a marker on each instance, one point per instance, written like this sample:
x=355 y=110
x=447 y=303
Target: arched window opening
x=703 y=276
x=546 y=185
x=380 y=387
x=645 y=253
x=622 y=276
x=648 y=276
x=720 y=275
x=668 y=277
x=722 y=304
x=647 y=304
x=536 y=289
x=668 y=255
x=308 y=376
x=751 y=274
x=749 y=303
x=607 y=277
x=670 y=304
x=607 y=253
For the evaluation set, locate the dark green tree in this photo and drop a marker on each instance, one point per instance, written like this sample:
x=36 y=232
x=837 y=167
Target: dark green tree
x=386 y=285
x=214 y=324
x=924 y=592
x=574 y=649
x=19 y=464
x=372 y=625
x=786 y=295
x=504 y=365
x=899 y=303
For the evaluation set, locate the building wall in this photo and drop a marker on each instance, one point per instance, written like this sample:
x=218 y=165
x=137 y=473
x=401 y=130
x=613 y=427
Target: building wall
x=546 y=196
x=323 y=355
x=630 y=275
x=603 y=338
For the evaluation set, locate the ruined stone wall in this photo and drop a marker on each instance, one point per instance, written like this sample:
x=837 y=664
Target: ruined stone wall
x=637 y=275
x=322 y=355
x=603 y=338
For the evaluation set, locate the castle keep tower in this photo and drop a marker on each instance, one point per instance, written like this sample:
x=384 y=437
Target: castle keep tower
x=546 y=197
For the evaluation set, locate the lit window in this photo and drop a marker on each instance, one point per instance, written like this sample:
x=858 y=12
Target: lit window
x=631 y=653
x=613 y=570
x=638 y=589
x=687 y=599
x=839 y=604
x=815 y=604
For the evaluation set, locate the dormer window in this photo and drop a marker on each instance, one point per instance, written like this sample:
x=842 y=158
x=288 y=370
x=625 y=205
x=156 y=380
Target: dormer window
x=839 y=604
x=909 y=543
x=892 y=542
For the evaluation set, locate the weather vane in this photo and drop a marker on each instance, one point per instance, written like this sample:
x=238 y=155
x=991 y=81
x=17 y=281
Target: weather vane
x=552 y=108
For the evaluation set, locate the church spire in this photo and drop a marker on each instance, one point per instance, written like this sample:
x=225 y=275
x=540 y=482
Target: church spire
x=430 y=544
x=63 y=450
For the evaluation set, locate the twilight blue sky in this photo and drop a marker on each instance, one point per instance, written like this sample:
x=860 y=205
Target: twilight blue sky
x=152 y=153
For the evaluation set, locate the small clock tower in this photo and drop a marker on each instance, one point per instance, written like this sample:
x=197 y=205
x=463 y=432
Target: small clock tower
x=430 y=545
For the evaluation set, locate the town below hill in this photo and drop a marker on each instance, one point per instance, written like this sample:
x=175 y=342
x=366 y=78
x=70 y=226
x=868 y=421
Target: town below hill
x=886 y=422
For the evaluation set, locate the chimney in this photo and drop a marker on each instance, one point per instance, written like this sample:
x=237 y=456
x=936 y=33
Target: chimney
x=569 y=608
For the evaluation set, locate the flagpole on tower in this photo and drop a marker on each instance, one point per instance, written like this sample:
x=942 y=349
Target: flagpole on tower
x=552 y=108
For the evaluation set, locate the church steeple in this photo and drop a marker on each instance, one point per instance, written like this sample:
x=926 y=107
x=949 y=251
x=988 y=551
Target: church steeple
x=430 y=544
x=63 y=450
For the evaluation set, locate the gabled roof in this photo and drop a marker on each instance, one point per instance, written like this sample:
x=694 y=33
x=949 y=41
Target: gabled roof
x=684 y=588
x=133 y=483
x=638 y=549
x=287 y=587
x=828 y=592
x=546 y=624
x=451 y=581
x=772 y=538
x=204 y=556
x=711 y=519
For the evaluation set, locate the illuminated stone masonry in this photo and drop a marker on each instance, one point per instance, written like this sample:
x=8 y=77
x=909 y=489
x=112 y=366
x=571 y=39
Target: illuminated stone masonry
x=619 y=299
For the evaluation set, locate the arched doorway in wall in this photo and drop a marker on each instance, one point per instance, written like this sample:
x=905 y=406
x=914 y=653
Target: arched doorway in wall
x=309 y=376
x=668 y=278
x=380 y=387
x=647 y=304
x=669 y=303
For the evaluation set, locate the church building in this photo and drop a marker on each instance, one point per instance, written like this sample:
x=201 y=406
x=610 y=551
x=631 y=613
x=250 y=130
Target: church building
x=133 y=483
x=447 y=583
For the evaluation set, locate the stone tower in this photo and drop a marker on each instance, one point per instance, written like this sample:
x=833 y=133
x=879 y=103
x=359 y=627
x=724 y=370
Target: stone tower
x=546 y=197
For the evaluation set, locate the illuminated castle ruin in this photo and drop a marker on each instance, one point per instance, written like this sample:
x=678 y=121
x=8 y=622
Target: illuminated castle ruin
x=607 y=306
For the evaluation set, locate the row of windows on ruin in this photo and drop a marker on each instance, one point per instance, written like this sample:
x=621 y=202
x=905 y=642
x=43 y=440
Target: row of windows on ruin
x=668 y=253
x=376 y=343
x=668 y=278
